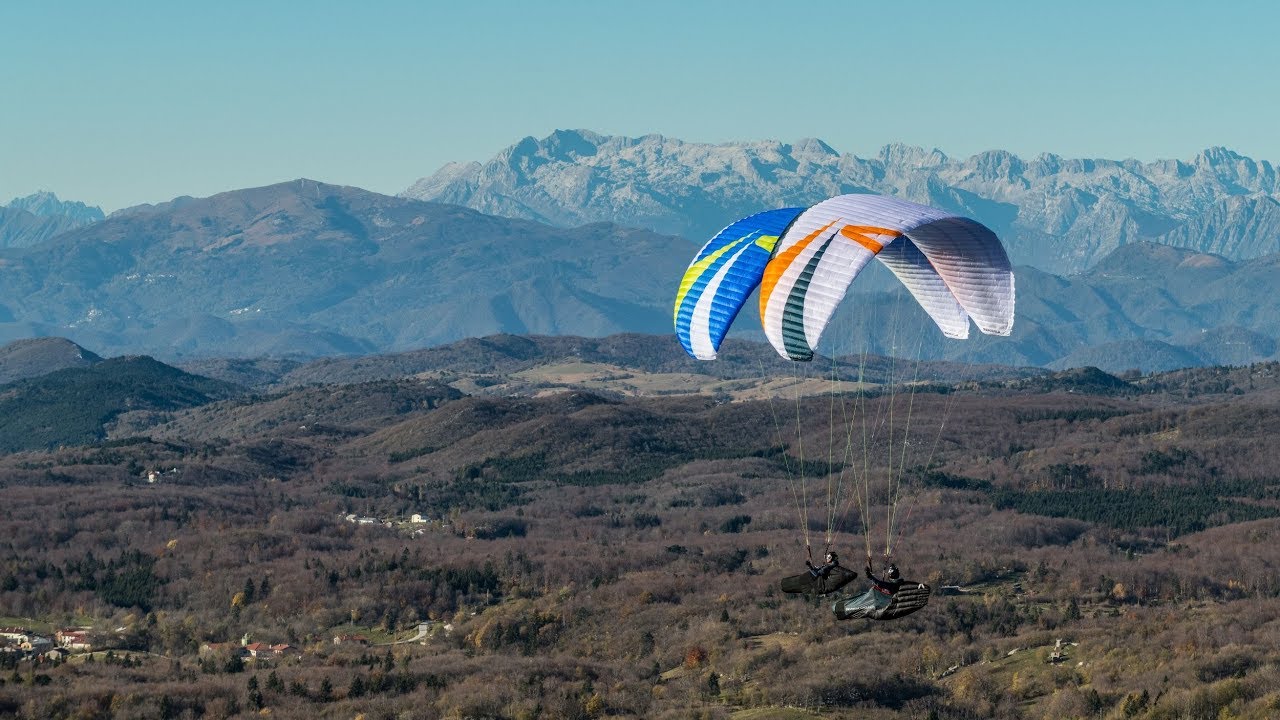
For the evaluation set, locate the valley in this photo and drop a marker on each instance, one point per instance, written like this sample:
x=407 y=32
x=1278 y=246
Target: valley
x=594 y=539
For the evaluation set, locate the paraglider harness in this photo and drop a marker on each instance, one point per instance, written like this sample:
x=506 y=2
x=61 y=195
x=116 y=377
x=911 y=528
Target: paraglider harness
x=888 y=598
x=820 y=579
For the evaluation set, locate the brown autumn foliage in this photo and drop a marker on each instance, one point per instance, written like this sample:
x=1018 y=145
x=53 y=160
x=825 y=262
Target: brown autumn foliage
x=585 y=556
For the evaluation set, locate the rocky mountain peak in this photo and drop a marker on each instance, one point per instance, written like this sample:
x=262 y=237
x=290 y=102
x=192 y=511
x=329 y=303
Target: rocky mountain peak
x=1216 y=155
x=998 y=165
x=46 y=204
x=1059 y=214
x=813 y=147
x=911 y=156
x=40 y=216
x=569 y=145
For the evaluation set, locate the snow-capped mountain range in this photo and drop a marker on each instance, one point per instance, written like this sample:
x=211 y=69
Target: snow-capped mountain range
x=1058 y=214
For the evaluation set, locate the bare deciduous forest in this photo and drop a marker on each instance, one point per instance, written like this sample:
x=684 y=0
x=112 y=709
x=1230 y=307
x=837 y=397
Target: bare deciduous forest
x=584 y=554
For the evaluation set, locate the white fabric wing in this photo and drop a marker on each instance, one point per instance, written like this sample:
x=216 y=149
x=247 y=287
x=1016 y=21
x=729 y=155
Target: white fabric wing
x=954 y=267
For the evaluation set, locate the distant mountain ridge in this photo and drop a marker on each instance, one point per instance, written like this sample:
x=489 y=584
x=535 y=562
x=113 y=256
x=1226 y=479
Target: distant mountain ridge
x=1060 y=215
x=304 y=269
x=37 y=217
x=47 y=204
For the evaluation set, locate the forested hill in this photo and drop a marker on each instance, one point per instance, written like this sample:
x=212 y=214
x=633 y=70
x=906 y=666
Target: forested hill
x=74 y=406
x=37 y=356
x=129 y=396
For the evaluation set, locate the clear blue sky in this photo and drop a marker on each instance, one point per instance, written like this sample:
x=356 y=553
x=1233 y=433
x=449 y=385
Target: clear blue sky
x=118 y=103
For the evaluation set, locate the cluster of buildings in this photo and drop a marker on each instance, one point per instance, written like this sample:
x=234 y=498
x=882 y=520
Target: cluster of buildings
x=251 y=650
x=265 y=650
x=414 y=519
x=350 y=639
x=155 y=476
x=29 y=644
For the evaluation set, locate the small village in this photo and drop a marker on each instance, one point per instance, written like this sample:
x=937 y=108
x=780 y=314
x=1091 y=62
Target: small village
x=419 y=524
x=416 y=526
x=415 y=519
x=246 y=650
x=22 y=643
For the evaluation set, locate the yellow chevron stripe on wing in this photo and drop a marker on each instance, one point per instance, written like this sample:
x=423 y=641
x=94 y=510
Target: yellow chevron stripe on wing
x=700 y=267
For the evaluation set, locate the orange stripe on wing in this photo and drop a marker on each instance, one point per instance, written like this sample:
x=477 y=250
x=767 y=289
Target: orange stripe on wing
x=773 y=271
x=861 y=234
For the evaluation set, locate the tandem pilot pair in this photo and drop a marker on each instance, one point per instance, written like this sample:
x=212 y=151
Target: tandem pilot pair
x=889 y=597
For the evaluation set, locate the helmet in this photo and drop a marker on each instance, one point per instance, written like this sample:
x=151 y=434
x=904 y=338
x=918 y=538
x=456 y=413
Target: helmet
x=833 y=556
x=892 y=572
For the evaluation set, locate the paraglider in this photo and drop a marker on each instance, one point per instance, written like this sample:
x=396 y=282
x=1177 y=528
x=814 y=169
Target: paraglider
x=954 y=267
x=890 y=583
x=821 y=579
x=722 y=276
x=824 y=570
x=803 y=262
x=888 y=598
